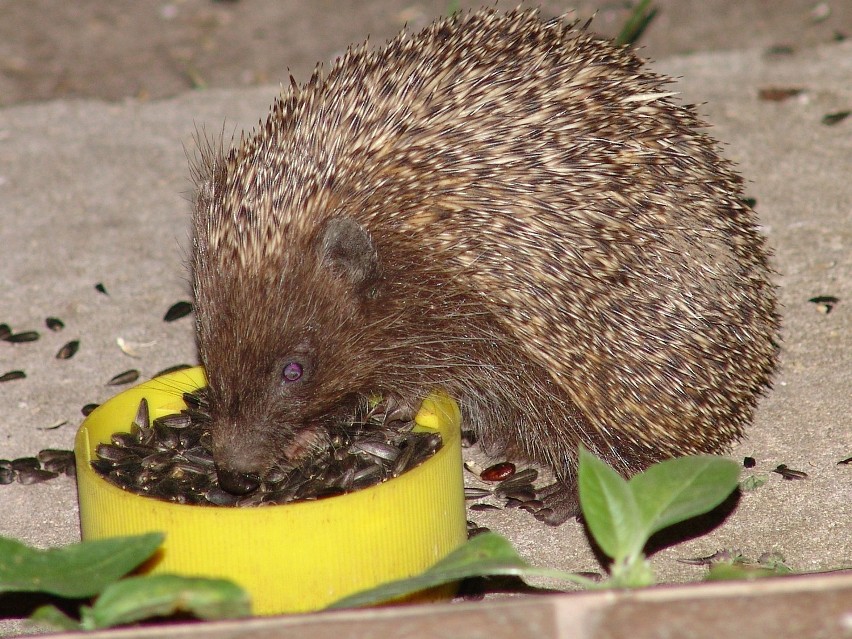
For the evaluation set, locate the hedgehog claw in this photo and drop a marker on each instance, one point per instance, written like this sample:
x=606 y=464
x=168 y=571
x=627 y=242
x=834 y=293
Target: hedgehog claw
x=559 y=503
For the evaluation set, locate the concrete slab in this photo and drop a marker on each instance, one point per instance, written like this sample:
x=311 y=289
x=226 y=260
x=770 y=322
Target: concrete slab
x=97 y=192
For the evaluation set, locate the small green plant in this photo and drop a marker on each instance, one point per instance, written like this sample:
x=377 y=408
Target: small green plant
x=622 y=515
x=95 y=568
x=636 y=23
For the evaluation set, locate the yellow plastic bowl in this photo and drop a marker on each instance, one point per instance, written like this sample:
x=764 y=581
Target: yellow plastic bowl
x=290 y=558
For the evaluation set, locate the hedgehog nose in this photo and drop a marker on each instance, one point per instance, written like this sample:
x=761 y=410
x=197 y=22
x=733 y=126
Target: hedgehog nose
x=237 y=483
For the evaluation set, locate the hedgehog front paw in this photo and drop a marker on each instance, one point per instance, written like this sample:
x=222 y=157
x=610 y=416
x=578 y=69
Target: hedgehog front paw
x=560 y=502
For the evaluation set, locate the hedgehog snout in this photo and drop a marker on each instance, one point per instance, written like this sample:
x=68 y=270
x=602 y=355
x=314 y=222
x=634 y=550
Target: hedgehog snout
x=236 y=482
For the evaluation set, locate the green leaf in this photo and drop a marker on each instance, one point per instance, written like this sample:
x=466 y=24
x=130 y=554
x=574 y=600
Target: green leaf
x=753 y=482
x=636 y=23
x=75 y=571
x=137 y=598
x=53 y=616
x=485 y=555
x=678 y=489
x=609 y=508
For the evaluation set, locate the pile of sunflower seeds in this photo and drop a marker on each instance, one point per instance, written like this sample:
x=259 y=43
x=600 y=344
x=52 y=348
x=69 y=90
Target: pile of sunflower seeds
x=47 y=464
x=170 y=459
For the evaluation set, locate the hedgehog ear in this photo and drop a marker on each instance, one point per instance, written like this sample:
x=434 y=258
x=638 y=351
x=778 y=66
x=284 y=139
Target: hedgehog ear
x=347 y=248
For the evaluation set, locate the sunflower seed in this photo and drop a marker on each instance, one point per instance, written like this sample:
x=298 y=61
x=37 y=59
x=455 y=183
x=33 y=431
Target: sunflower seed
x=177 y=311
x=789 y=473
x=471 y=492
x=25 y=463
x=824 y=303
x=830 y=119
x=88 y=408
x=381 y=450
x=54 y=323
x=160 y=460
x=520 y=493
x=26 y=336
x=35 y=476
x=127 y=377
x=219 y=497
x=174 y=420
x=56 y=461
x=12 y=375
x=5 y=331
x=113 y=454
x=68 y=351
x=483 y=507
x=778 y=94
x=521 y=478
x=172 y=369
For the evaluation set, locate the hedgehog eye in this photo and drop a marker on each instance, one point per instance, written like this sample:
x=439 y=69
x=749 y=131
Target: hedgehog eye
x=292 y=372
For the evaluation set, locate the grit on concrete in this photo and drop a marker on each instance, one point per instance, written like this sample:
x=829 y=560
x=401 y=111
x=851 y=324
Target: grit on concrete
x=94 y=191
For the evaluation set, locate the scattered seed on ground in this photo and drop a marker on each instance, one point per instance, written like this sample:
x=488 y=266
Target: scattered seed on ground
x=12 y=375
x=789 y=473
x=498 y=472
x=483 y=507
x=778 y=94
x=35 y=476
x=472 y=492
x=5 y=331
x=25 y=463
x=127 y=377
x=57 y=460
x=100 y=288
x=830 y=119
x=25 y=336
x=54 y=323
x=172 y=369
x=521 y=479
x=177 y=311
x=824 y=303
x=88 y=408
x=69 y=350
x=749 y=462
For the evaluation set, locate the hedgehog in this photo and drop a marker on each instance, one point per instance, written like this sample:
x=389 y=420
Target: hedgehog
x=507 y=209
